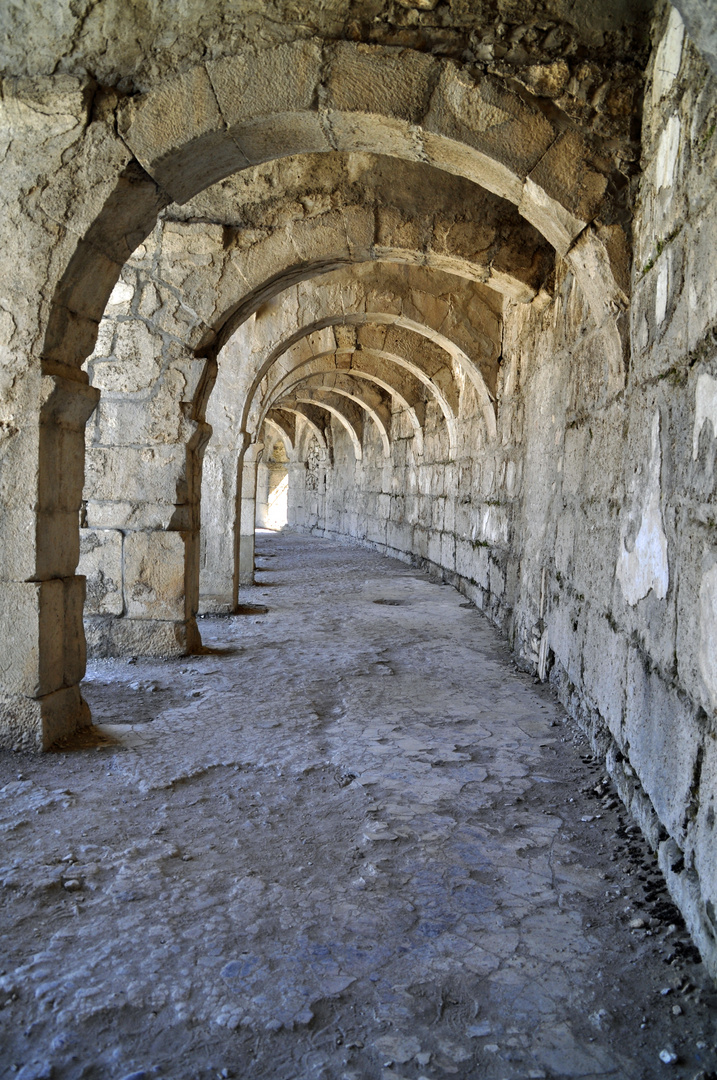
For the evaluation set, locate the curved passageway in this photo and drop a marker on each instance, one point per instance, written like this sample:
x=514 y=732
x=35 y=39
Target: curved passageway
x=349 y=840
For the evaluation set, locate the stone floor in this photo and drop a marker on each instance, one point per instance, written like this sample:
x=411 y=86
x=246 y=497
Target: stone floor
x=349 y=840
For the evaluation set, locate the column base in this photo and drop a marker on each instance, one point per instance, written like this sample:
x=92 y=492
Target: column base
x=216 y=605
x=37 y=723
x=120 y=637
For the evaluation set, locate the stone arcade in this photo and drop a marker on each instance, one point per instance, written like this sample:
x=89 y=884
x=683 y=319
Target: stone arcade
x=439 y=275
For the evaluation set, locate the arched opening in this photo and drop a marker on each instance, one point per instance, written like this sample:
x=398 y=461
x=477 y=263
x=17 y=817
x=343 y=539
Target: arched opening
x=411 y=282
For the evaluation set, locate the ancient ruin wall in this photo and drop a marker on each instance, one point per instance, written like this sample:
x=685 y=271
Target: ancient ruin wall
x=588 y=530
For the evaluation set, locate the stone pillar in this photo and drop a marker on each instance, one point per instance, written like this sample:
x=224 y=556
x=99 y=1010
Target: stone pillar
x=262 y=494
x=296 y=492
x=140 y=543
x=221 y=487
x=41 y=598
x=247 y=514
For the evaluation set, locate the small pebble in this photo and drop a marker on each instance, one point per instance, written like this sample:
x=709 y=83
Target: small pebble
x=637 y=924
x=676 y=1010
x=667 y=1057
x=72 y=884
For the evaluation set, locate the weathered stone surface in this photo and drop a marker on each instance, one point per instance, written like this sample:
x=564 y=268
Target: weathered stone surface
x=101 y=564
x=349 y=267
x=154 y=575
x=179 y=136
x=268 y=100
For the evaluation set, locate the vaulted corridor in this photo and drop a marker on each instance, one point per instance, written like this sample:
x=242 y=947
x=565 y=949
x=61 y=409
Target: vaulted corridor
x=348 y=840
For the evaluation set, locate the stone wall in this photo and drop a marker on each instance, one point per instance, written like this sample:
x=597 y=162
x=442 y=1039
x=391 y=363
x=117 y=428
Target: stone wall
x=587 y=530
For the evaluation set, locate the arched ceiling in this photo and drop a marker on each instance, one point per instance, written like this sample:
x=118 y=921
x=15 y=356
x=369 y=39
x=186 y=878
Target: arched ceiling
x=287 y=212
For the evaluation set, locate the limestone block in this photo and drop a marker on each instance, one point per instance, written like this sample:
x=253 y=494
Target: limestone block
x=564 y=542
x=496 y=578
x=44 y=120
x=576 y=443
x=701 y=284
x=61 y=469
x=36 y=723
x=74 y=649
x=465 y=562
x=594 y=552
x=101 y=564
x=396 y=232
x=58 y=544
x=566 y=635
x=702 y=833
x=399 y=535
x=141 y=637
x=420 y=542
x=666 y=64
x=448 y=551
x=178 y=134
x=245 y=567
x=267 y=98
x=135 y=361
x=120 y=421
x=136 y=516
x=504 y=139
x=376 y=530
x=154 y=575
x=696 y=644
x=664 y=738
x=463 y=518
x=605 y=671
x=602 y=468
x=135 y=474
x=563 y=192
x=434 y=551
x=602 y=271
x=312 y=243
x=101 y=194
x=378 y=80
x=449 y=515
x=32 y=619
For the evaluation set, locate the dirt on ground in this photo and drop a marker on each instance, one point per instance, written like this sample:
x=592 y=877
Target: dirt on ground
x=349 y=841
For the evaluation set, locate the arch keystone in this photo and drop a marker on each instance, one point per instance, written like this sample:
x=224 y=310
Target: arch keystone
x=268 y=100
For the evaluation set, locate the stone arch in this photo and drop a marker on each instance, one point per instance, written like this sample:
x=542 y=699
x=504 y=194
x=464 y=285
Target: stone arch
x=404 y=387
x=283 y=426
x=348 y=414
x=311 y=96
x=344 y=384
x=226 y=115
x=221 y=117
x=385 y=337
x=308 y=426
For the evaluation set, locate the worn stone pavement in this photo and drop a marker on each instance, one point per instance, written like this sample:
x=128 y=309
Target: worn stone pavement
x=350 y=840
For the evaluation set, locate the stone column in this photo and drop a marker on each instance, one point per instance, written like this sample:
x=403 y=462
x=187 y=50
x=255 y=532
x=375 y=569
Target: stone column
x=218 y=575
x=247 y=514
x=262 y=494
x=41 y=599
x=140 y=543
